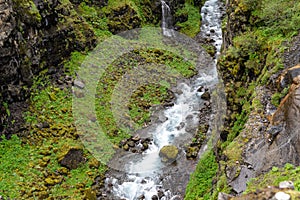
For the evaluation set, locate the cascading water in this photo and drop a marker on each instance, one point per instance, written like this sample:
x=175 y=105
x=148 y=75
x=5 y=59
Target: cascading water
x=166 y=23
x=143 y=177
x=211 y=14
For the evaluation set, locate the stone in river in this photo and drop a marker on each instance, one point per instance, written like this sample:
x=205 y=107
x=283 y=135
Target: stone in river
x=168 y=153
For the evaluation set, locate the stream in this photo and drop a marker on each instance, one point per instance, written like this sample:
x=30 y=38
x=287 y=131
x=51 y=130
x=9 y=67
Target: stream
x=145 y=176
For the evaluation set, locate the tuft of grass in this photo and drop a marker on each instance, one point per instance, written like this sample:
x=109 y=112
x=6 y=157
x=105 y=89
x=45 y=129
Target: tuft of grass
x=277 y=97
x=200 y=185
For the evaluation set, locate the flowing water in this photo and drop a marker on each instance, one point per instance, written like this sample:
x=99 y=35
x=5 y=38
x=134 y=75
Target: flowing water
x=166 y=24
x=145 y=177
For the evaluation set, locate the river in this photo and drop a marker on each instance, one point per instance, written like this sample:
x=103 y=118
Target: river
x=145 y=176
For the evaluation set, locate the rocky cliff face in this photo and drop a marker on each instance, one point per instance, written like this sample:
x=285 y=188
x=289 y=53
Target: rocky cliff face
x=265 y=135
x=35 y=36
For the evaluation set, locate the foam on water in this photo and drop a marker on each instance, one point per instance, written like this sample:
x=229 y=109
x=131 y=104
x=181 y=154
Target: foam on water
x=143 y=179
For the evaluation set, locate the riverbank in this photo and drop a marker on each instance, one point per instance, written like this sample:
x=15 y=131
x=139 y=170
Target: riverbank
x=37 y=41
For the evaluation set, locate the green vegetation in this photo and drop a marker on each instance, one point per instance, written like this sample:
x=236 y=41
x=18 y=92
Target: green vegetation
x=96 y=19
x=29 y=9
x=144 y=97
x=73 y=64
x=30 y=167
x=30 y=171
x=14 y=169
x=246 y=65
x=277 y=97
x=191 y=27
x=256 y=52
x=275 y=176
x=200 y=185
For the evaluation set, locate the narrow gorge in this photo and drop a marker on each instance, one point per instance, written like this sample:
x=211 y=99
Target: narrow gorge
x=164 y=99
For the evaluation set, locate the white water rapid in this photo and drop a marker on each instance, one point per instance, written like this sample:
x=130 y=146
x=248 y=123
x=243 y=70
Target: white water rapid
x=143 y=177
x=211 y=14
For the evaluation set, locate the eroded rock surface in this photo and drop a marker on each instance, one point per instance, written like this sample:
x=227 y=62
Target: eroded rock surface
x=259 y=152
x=34 y=36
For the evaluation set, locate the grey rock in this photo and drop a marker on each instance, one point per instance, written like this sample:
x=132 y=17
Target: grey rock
x=286 y=184
x=79 y=84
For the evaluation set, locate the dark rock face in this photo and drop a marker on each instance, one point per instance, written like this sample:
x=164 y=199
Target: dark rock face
x=72 y=159
x=34 y=35
x=261 y=153
x=122 y=19
x=237 y=22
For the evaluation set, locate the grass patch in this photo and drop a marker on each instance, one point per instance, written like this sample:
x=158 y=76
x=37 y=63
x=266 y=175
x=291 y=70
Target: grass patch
x=14 y=170
x=96 y=19
x=277 y=97
x=191 y=27
x=274 y=177
x=200 y=185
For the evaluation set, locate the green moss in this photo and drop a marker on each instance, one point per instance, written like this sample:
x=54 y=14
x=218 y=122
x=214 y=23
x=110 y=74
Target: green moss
x=191 y=27
x=51 y=104
x=200 y=185
x=144 y=97
x=96 y=19
x=72 y=65
x=277 y=97
x=14 y=169
x=29 y=10
x=274 y=177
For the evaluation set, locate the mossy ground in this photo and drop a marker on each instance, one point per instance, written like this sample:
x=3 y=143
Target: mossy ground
x=276 y=175
x=30 y=164
x=144 y=97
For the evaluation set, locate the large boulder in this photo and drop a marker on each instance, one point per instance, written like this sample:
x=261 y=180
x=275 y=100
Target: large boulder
x=72 y=159
x=168 y=153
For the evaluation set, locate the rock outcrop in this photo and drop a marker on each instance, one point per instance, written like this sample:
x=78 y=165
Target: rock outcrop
x=34 y=36
x=265 y=145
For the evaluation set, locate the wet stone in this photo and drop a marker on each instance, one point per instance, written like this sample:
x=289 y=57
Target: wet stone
x=126 y=147
x=168 y=153
x=154 y=197
x=141 y=197
x=160 y=194
x=131 y=143
x=136 y=138
x=205 y=96
x=145 y=146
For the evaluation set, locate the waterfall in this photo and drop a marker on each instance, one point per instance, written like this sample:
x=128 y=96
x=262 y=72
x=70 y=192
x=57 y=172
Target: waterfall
x=166 y=19
x=144 y=177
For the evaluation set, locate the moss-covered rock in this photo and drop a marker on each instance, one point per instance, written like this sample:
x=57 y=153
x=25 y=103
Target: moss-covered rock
x=168 y=153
